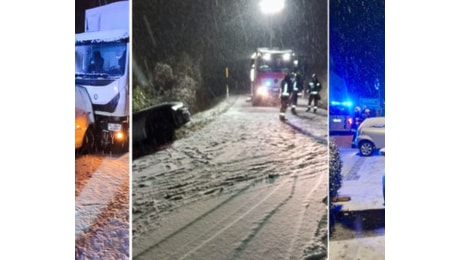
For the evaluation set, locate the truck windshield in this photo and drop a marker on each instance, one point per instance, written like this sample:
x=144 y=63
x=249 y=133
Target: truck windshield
x=103 y=59
x=275 y=63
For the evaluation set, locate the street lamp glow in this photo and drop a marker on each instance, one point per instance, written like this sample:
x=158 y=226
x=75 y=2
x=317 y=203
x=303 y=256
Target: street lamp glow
x=271 y=6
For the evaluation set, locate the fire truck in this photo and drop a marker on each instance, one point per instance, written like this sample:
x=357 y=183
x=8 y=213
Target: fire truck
x=267 y=71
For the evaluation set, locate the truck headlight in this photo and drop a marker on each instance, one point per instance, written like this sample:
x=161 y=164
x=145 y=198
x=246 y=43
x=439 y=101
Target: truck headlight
x=262 y=91
x=119 y=136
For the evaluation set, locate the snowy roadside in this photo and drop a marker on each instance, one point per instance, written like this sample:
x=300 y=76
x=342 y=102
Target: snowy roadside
x=199 y=120
x=310 y=124
x=359 y=232
x=102 y=221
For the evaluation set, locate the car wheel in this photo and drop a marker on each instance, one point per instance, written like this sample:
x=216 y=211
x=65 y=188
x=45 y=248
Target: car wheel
x=366 y=148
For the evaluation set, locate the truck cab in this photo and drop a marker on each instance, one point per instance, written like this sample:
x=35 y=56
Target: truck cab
x=102 y=68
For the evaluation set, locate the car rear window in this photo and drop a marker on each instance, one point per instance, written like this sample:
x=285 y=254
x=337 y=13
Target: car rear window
x=339 y=111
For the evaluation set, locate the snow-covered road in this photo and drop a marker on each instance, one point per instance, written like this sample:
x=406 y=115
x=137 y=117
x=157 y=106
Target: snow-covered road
x=242 y=186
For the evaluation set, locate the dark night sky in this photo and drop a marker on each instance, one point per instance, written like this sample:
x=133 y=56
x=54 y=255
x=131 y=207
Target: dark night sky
x=357 y=40
x=225 y=33
x=222 y=33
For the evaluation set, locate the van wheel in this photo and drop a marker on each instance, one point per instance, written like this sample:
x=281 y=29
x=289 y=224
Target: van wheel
x=89 y=142
x=366 y=148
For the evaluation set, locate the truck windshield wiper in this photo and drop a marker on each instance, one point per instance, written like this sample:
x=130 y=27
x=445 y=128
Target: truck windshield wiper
x=92 y=75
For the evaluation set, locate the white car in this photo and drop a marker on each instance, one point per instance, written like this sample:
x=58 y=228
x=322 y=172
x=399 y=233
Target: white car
x=85 y=140
x=370 y=135
x=382 y=152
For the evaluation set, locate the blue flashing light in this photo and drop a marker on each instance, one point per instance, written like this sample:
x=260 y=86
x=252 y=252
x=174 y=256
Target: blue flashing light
x=343 y=103
x=335 y=103
x=347 y=103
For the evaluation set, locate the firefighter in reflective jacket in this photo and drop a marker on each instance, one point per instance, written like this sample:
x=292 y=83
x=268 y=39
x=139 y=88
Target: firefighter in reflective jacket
x=285 y=95
x=314 y=87
x=297 y=87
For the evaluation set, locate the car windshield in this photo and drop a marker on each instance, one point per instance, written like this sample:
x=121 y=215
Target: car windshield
x=381 y=125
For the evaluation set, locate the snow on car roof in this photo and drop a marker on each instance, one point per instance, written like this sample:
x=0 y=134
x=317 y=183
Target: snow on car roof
x=374 y=121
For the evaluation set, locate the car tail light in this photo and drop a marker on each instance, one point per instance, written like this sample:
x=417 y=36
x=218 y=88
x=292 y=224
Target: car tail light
x=350 y=121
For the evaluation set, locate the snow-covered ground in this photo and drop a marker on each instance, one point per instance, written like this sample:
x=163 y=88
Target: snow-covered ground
x=102 y=216
x=360 y=231
x=362 y=181
x=238 y=184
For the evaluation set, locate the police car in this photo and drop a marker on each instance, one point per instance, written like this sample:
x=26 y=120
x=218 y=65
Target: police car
x=340 y=117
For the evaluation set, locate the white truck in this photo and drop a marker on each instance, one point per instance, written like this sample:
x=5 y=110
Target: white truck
x=102 y=68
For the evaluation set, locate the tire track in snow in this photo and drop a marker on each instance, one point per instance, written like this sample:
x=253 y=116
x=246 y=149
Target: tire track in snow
x=200 y=217
x=300 y=220
x=255 y=231
x=244 y=215
x=223 y=224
